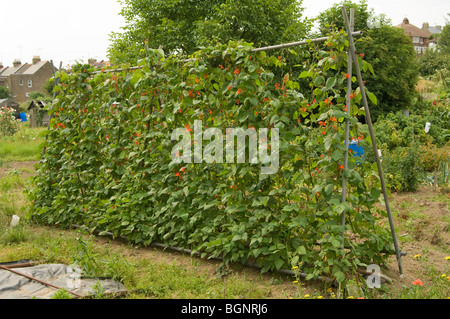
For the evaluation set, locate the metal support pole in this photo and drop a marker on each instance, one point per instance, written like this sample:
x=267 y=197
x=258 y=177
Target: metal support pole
x=347 y=126
x=268 y=48
x=294 y=44
x=372 y=136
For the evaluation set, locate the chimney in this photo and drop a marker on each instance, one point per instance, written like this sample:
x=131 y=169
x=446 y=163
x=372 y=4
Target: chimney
x=36 y=59
x=1 y=65
x=16 y=63
x=425 y=26
x=405 y=21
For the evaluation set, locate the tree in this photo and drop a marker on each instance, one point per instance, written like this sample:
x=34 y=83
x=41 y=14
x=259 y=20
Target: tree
x=184 y=26
x=387 y=48
x=394 y=60
x=432 y=61
x=4 y=92
x=365 y=18
x=48 y=86
x=444 y=39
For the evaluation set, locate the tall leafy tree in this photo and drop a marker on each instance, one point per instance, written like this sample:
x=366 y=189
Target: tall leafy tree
x=387 y=48
x=394 y=60
x=184 y=26
x=365 y=17
x=444 y=39
x=437 y=59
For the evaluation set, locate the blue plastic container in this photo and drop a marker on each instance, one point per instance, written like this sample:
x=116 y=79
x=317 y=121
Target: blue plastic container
x=23 y=117
x=357 y=150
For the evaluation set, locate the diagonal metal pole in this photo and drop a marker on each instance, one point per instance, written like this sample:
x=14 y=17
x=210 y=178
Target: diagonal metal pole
x=372 y=136
x=347 y=126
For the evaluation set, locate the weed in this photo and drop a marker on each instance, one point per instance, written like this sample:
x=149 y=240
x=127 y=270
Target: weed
x=61 y=294
x=14 y=235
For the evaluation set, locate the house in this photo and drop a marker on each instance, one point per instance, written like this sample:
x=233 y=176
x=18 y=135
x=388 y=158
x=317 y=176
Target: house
x=418 y=36
x=434 y=31
x=99 y=65
x=6 y=72
x=38 y=114
x=21 y=79
x=10 y=103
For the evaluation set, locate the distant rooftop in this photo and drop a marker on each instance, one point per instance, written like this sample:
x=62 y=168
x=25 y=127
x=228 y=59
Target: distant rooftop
x=19 y=68
x=34 y=67
x=412 y=30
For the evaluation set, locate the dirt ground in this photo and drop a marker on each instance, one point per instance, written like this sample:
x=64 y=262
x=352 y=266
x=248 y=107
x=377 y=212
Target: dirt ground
x=27 y=168
x=421 y=219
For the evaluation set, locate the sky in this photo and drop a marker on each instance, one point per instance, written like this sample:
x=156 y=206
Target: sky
x=70 y=31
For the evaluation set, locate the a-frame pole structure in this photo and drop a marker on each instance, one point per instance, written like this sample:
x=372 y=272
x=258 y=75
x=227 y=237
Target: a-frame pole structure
x=352 y=58
x=372 y=136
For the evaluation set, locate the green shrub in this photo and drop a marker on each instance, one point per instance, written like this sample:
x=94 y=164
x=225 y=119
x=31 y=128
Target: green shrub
x=9 y=125
x=404 y=169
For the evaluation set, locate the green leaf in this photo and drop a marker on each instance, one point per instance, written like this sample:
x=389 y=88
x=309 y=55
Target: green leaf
x=375 y=193
x=329 y=189
x=279 y=263
x=301 y=250
x=340 y=276
x=318 y=80
x=331 y=82
x=254 y=101
x=337 y=155
x=302 y=75
x=372 y=98
x=336 y=243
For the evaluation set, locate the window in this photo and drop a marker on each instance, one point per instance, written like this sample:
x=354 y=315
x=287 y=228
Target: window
x=20 y=82
x=415 y=39
x=30 y=83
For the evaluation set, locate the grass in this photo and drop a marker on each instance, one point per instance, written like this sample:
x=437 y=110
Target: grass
x=25 y=145
x=143 y=277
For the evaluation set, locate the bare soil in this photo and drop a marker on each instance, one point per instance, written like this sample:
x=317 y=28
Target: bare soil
x=422 y=219
x=27 y=168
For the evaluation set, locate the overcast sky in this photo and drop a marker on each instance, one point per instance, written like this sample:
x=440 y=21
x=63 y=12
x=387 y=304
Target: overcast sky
x=68 y=31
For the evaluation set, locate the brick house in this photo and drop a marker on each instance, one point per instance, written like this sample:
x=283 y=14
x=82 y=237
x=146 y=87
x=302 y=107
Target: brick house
x=21 y=79
x=418 y=36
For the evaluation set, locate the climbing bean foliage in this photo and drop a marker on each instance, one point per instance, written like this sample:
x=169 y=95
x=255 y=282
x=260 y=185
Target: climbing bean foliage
x=108 y=165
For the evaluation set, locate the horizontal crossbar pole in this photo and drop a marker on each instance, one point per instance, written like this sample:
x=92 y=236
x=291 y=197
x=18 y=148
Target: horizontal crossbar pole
x=294 y=44
x=268 y=48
